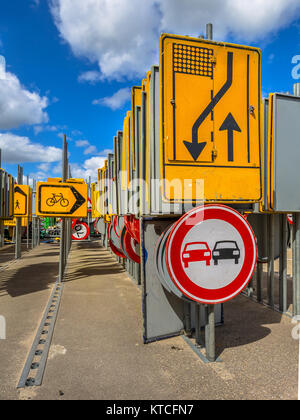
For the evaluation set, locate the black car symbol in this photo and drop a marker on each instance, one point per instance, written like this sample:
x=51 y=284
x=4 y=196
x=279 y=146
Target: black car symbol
x=226 y=250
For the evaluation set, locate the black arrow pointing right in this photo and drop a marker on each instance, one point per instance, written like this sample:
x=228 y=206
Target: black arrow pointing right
x=80 y=200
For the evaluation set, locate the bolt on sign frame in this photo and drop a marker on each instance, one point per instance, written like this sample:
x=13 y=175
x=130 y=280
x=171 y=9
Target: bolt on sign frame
x=210 y=99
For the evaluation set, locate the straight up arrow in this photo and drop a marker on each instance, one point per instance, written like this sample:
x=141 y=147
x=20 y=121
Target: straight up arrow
x=230 y=125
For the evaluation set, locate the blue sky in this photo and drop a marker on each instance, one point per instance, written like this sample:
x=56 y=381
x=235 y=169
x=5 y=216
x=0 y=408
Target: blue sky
x=70 y=63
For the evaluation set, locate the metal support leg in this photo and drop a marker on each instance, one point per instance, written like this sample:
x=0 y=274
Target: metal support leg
x=187 y=318
x=259 y=278
x=210 y=333
x=296 y=258
x=62 y=250
x=270 y=286
x=1 y=233
x=18 y=239
x=283 y=266
x=197 y=324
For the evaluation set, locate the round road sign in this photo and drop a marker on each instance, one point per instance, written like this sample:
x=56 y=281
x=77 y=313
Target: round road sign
x=80 y=231
x=211 y=254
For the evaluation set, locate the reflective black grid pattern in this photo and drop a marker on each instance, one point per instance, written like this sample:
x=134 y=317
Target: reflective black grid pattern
x=192 y=60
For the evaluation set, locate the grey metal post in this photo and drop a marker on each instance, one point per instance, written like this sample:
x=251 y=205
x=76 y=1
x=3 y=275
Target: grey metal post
x=33 y=217
x=296 y=258
x=210 y=344
x=209 y=31
x=210 y=309
x=18 y=252
x=187 y=318
x=1 y=221
x=296 y=246
x=89 y=214
x=259 y=278
x=198 y=338
x=38 y=231
x=28 y=221
x=270 y=286
x=283 y=266
x=1 y=233
x=62 y=254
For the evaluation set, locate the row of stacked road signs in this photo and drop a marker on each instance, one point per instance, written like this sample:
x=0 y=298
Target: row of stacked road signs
x=53 y=199
x=199 y=147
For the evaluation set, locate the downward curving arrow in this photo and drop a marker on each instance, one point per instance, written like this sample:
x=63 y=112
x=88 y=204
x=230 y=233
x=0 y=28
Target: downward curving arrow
x=194 y=147
x=230 y=125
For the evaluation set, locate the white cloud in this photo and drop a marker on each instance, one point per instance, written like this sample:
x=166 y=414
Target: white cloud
x=16 y=149
x=90 y=150
x=82 y=143
x=90 y=77
x=45 y=167
x=19 y=106
x=88 y=168
x=119 y=35
x=116 y=101
x=40 y=128
x=122 y=35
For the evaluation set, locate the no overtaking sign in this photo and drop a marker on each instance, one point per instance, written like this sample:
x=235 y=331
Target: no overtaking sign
x=211 y=254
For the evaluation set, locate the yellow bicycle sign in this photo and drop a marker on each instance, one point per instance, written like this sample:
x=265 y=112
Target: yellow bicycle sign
x=57 y=199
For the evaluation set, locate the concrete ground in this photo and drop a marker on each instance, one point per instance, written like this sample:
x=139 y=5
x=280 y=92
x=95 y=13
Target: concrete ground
x=7 y=253
x=97 y=350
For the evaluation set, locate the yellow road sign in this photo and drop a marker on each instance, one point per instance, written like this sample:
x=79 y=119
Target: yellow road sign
x=136 y=100
x=210 y=117
x=21 y=200
x=62 y=200
x=70 y=180
x=13 y=222
x=95 y=198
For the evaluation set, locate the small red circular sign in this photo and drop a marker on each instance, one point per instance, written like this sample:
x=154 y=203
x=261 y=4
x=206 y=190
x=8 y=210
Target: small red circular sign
x=211 y=254
x=80 y=231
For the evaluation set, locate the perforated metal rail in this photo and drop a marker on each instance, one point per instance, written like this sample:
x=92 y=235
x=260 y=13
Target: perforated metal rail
x=35 y=365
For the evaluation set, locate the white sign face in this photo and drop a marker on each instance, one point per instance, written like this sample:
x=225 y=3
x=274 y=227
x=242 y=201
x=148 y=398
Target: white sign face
x=213 y=253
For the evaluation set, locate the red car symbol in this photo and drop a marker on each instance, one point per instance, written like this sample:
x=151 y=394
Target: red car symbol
x=195 y=252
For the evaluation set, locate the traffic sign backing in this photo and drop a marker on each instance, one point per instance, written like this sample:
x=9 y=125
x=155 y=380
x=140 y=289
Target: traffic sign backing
x=210 y=117
x=62 y=200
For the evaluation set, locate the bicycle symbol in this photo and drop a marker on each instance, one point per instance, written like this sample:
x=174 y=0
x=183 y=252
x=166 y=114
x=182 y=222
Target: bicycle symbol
x=57 y=198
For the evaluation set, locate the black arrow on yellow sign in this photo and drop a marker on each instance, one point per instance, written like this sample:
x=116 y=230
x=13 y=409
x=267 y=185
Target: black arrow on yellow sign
x=195 y=148
x=80 y=200
x=230 y=125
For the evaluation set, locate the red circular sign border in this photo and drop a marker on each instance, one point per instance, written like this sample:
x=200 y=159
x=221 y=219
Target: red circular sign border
x=130 y=251
x=230 y=291
x=87 y=232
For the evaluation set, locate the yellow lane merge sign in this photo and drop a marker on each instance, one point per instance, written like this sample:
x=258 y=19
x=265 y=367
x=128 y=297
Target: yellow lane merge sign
x=210 y=117
x=61 y=200
x=21 y=201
